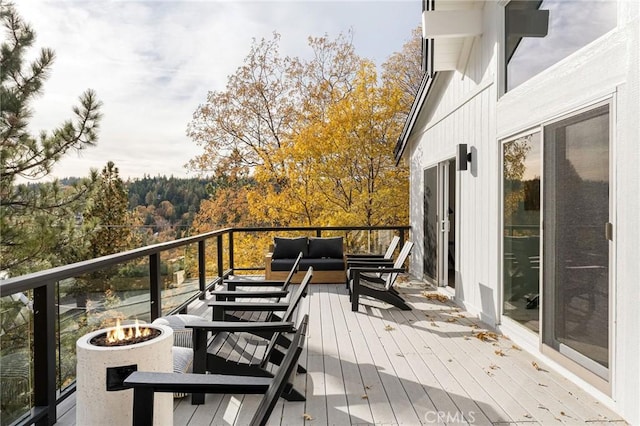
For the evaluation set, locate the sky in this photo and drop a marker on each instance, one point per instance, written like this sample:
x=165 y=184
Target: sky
x=152 y=62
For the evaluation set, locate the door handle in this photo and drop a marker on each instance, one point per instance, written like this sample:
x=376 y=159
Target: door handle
x=608 y=231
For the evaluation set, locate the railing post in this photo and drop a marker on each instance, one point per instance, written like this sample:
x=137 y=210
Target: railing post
x=155 y=287
x=220 y=257
x=44 y=351
x=401 y=237
x=231 y=251
x=318 y=232
x=202 y=273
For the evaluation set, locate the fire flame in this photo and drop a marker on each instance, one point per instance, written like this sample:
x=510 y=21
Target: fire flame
x=119 y=333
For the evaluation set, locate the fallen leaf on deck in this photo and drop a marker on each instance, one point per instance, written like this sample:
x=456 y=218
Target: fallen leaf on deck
x=434 y=324
x=365 y=396
x=535 y=365
x=499 y=352
x=436 y=296
x=515 y=347
x=307 y=416
x=388 y=327
x=486 y=336
x=451 y=320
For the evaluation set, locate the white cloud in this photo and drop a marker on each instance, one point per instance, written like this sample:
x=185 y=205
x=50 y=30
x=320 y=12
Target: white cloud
x=152 y=62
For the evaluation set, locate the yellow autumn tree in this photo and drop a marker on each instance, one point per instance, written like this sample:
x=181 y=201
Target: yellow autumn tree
x=338 y=169
x=316 y=134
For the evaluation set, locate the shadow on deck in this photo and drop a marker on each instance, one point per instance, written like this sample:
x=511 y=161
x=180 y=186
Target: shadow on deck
x=433 y=365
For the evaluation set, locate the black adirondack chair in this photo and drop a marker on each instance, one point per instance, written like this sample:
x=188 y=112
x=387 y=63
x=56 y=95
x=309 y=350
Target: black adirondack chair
x=145 y=384
x=229 y=351
x=378 y=282
x=232 y=292
x=369 y=260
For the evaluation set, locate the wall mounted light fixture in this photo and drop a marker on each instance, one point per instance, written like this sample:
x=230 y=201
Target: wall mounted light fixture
x=462 y=157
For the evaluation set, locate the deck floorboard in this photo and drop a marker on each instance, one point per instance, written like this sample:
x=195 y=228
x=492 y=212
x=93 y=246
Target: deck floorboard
x=381 y=365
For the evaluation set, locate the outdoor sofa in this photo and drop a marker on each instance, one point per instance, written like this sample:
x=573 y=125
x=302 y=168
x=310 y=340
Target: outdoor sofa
x=325 y=255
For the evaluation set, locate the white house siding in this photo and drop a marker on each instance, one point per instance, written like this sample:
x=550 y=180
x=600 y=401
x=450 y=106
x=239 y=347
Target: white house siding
x=468 y=108
x=461 y=109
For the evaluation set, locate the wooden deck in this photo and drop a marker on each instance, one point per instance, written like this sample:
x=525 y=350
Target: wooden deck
x=386 y=366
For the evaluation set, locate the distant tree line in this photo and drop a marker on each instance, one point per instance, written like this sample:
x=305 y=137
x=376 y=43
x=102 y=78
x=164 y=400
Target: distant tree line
x=164 y=203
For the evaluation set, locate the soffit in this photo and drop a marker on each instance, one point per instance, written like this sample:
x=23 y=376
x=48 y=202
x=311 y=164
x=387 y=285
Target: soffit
x=453 y=25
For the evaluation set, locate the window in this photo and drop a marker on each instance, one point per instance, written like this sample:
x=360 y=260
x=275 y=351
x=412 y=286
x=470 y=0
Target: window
x=521 y=235
x=539 y=34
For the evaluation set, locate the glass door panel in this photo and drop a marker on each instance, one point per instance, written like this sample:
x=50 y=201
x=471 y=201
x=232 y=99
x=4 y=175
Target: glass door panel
x=450 y=229
x=431 y=226
x=521 y=233
x=576 y=248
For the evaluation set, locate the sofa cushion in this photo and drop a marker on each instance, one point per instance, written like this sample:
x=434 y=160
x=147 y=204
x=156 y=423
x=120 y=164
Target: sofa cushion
x=325 y=247
x=325 y=264
x=317 y=264
x=289 y=248
x=282 y=264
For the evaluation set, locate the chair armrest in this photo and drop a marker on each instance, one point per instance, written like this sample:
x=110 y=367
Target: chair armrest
x=250 y=306
x=378 y=270
x=364 y=255
x=219 y=308
x=369 y=263
x=197 y=383
x=231 y=295
x=235 y=283
x=242 y=326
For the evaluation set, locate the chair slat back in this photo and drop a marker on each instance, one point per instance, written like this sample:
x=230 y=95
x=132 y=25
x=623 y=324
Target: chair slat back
x=390 y=278
x=294 y=269
x=294 y=301
x=392 y=247
x=287 y=368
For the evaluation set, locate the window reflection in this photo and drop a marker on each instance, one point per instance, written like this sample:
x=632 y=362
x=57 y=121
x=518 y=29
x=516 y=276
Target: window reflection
x=530 y=48
x=521 y=243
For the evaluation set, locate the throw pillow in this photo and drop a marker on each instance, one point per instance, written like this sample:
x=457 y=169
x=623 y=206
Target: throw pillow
x=289 y=248
x=326 y=247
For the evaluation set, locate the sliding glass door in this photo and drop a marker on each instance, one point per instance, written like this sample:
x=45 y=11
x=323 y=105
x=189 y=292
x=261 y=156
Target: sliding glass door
x=576 y=238
x=556 y=235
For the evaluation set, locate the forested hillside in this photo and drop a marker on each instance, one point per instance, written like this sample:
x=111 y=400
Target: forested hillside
x=167 y=201
x=164 y=204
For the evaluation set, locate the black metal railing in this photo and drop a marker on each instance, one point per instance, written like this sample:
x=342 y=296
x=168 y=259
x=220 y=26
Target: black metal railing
x=48 y=297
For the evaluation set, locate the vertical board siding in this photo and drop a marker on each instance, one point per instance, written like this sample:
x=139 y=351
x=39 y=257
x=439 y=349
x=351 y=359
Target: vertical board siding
x=470 y=109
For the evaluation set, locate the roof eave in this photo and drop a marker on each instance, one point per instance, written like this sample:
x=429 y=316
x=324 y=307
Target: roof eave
x=416 y=107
